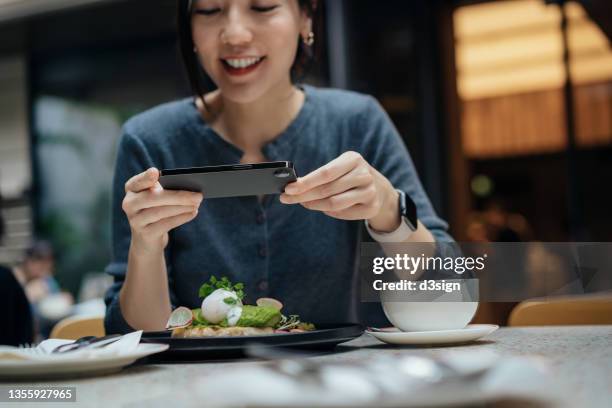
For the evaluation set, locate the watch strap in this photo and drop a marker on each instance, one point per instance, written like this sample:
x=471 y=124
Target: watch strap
x=400 y=234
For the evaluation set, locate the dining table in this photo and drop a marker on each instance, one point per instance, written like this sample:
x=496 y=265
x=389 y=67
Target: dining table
x=579 y=361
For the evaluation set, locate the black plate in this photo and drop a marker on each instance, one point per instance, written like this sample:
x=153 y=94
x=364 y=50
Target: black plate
x=326 y=337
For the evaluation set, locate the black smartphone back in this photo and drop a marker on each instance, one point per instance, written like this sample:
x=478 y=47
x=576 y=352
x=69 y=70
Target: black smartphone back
x=232 y=180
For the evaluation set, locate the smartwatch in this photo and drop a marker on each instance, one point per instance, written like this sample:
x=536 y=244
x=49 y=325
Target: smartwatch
x=408 y=210
x=408 y=215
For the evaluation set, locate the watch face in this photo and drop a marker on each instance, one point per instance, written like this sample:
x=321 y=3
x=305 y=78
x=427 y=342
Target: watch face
x=408 y=210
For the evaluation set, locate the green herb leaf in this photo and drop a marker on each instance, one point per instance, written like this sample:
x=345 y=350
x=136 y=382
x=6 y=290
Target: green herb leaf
x=205 y=290
x=230 y=300
x=223 y=283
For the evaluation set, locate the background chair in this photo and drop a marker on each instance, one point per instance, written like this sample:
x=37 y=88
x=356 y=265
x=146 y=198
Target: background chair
x=567 y=310
x=75 y=327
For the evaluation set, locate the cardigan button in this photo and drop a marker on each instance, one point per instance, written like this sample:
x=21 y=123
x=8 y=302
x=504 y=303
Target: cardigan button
x=263 y=252
x=263 y=285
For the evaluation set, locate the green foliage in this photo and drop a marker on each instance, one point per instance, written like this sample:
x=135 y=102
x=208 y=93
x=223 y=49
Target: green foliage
x=223 y=283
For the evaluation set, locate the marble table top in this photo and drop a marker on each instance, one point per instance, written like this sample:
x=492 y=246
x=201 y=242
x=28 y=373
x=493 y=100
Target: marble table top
x=580 y=358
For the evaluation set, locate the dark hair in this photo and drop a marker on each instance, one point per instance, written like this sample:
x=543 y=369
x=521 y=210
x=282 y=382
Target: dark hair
x=39 y=250
x=200 y=82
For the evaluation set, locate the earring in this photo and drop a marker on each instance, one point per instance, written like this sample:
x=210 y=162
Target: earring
x=309 y=40
x=195 y=49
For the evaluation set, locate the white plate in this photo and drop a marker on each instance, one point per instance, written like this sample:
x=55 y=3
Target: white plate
x=469 y=333
x=66 y=366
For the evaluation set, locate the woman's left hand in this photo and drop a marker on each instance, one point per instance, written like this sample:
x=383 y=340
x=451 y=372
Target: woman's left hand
x=348 y=188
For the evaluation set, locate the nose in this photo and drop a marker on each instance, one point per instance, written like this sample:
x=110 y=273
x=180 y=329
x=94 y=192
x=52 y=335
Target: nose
x=236 y=32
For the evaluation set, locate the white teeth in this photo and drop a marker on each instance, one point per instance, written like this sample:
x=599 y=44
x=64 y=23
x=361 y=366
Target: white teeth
x=242 y=62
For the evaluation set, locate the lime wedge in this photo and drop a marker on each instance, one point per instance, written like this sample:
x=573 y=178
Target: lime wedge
x=180 y=317
x=270 y=302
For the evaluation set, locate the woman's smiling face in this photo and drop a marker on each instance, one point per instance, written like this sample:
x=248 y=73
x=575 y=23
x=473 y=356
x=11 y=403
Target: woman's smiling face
x=247 y=47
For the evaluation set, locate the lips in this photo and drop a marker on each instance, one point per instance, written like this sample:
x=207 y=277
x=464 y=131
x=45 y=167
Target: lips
x=241 y=66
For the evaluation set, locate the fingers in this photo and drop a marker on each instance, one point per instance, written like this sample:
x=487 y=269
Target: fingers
x=357 y=177
x=345 y=200
x=326 y=174
x=133 y=203
x=346 y=188
x=152 y=215
x=166 y=224
x=142 y=181
x=153 y=211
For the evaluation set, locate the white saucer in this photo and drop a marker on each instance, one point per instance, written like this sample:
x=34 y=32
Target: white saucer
x=77 y=366
x=471 y=332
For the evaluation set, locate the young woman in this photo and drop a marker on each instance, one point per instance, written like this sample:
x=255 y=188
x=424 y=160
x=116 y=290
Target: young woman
x=301 y=247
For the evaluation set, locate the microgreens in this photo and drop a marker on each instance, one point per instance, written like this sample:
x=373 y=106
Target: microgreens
x=223 y=283
x=290 y=322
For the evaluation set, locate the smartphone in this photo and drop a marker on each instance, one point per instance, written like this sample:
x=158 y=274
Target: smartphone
x=233 y=180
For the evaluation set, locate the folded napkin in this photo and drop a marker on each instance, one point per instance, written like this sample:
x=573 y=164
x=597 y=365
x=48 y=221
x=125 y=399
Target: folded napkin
x=125 y=345
x=413 y=380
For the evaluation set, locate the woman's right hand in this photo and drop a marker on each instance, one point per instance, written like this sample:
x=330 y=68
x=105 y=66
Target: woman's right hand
x=153 y=211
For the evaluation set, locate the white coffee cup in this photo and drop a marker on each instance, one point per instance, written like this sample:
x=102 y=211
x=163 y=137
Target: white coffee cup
x=449 y=311
x=427 y=316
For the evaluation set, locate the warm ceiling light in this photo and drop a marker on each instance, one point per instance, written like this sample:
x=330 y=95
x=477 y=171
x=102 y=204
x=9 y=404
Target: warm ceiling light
x=516 y=46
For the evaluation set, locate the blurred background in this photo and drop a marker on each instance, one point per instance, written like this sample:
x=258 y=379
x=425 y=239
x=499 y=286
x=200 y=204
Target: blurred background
x=506 y=107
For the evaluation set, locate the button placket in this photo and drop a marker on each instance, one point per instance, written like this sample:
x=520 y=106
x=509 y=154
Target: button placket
x=262 y=284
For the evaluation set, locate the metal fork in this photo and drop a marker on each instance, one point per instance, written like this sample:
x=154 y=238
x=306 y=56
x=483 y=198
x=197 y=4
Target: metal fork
x=87 y=342
x=31 y=349
x=27 y=345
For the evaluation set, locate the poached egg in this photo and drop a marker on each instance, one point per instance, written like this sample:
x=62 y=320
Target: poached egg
x=222 y=304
